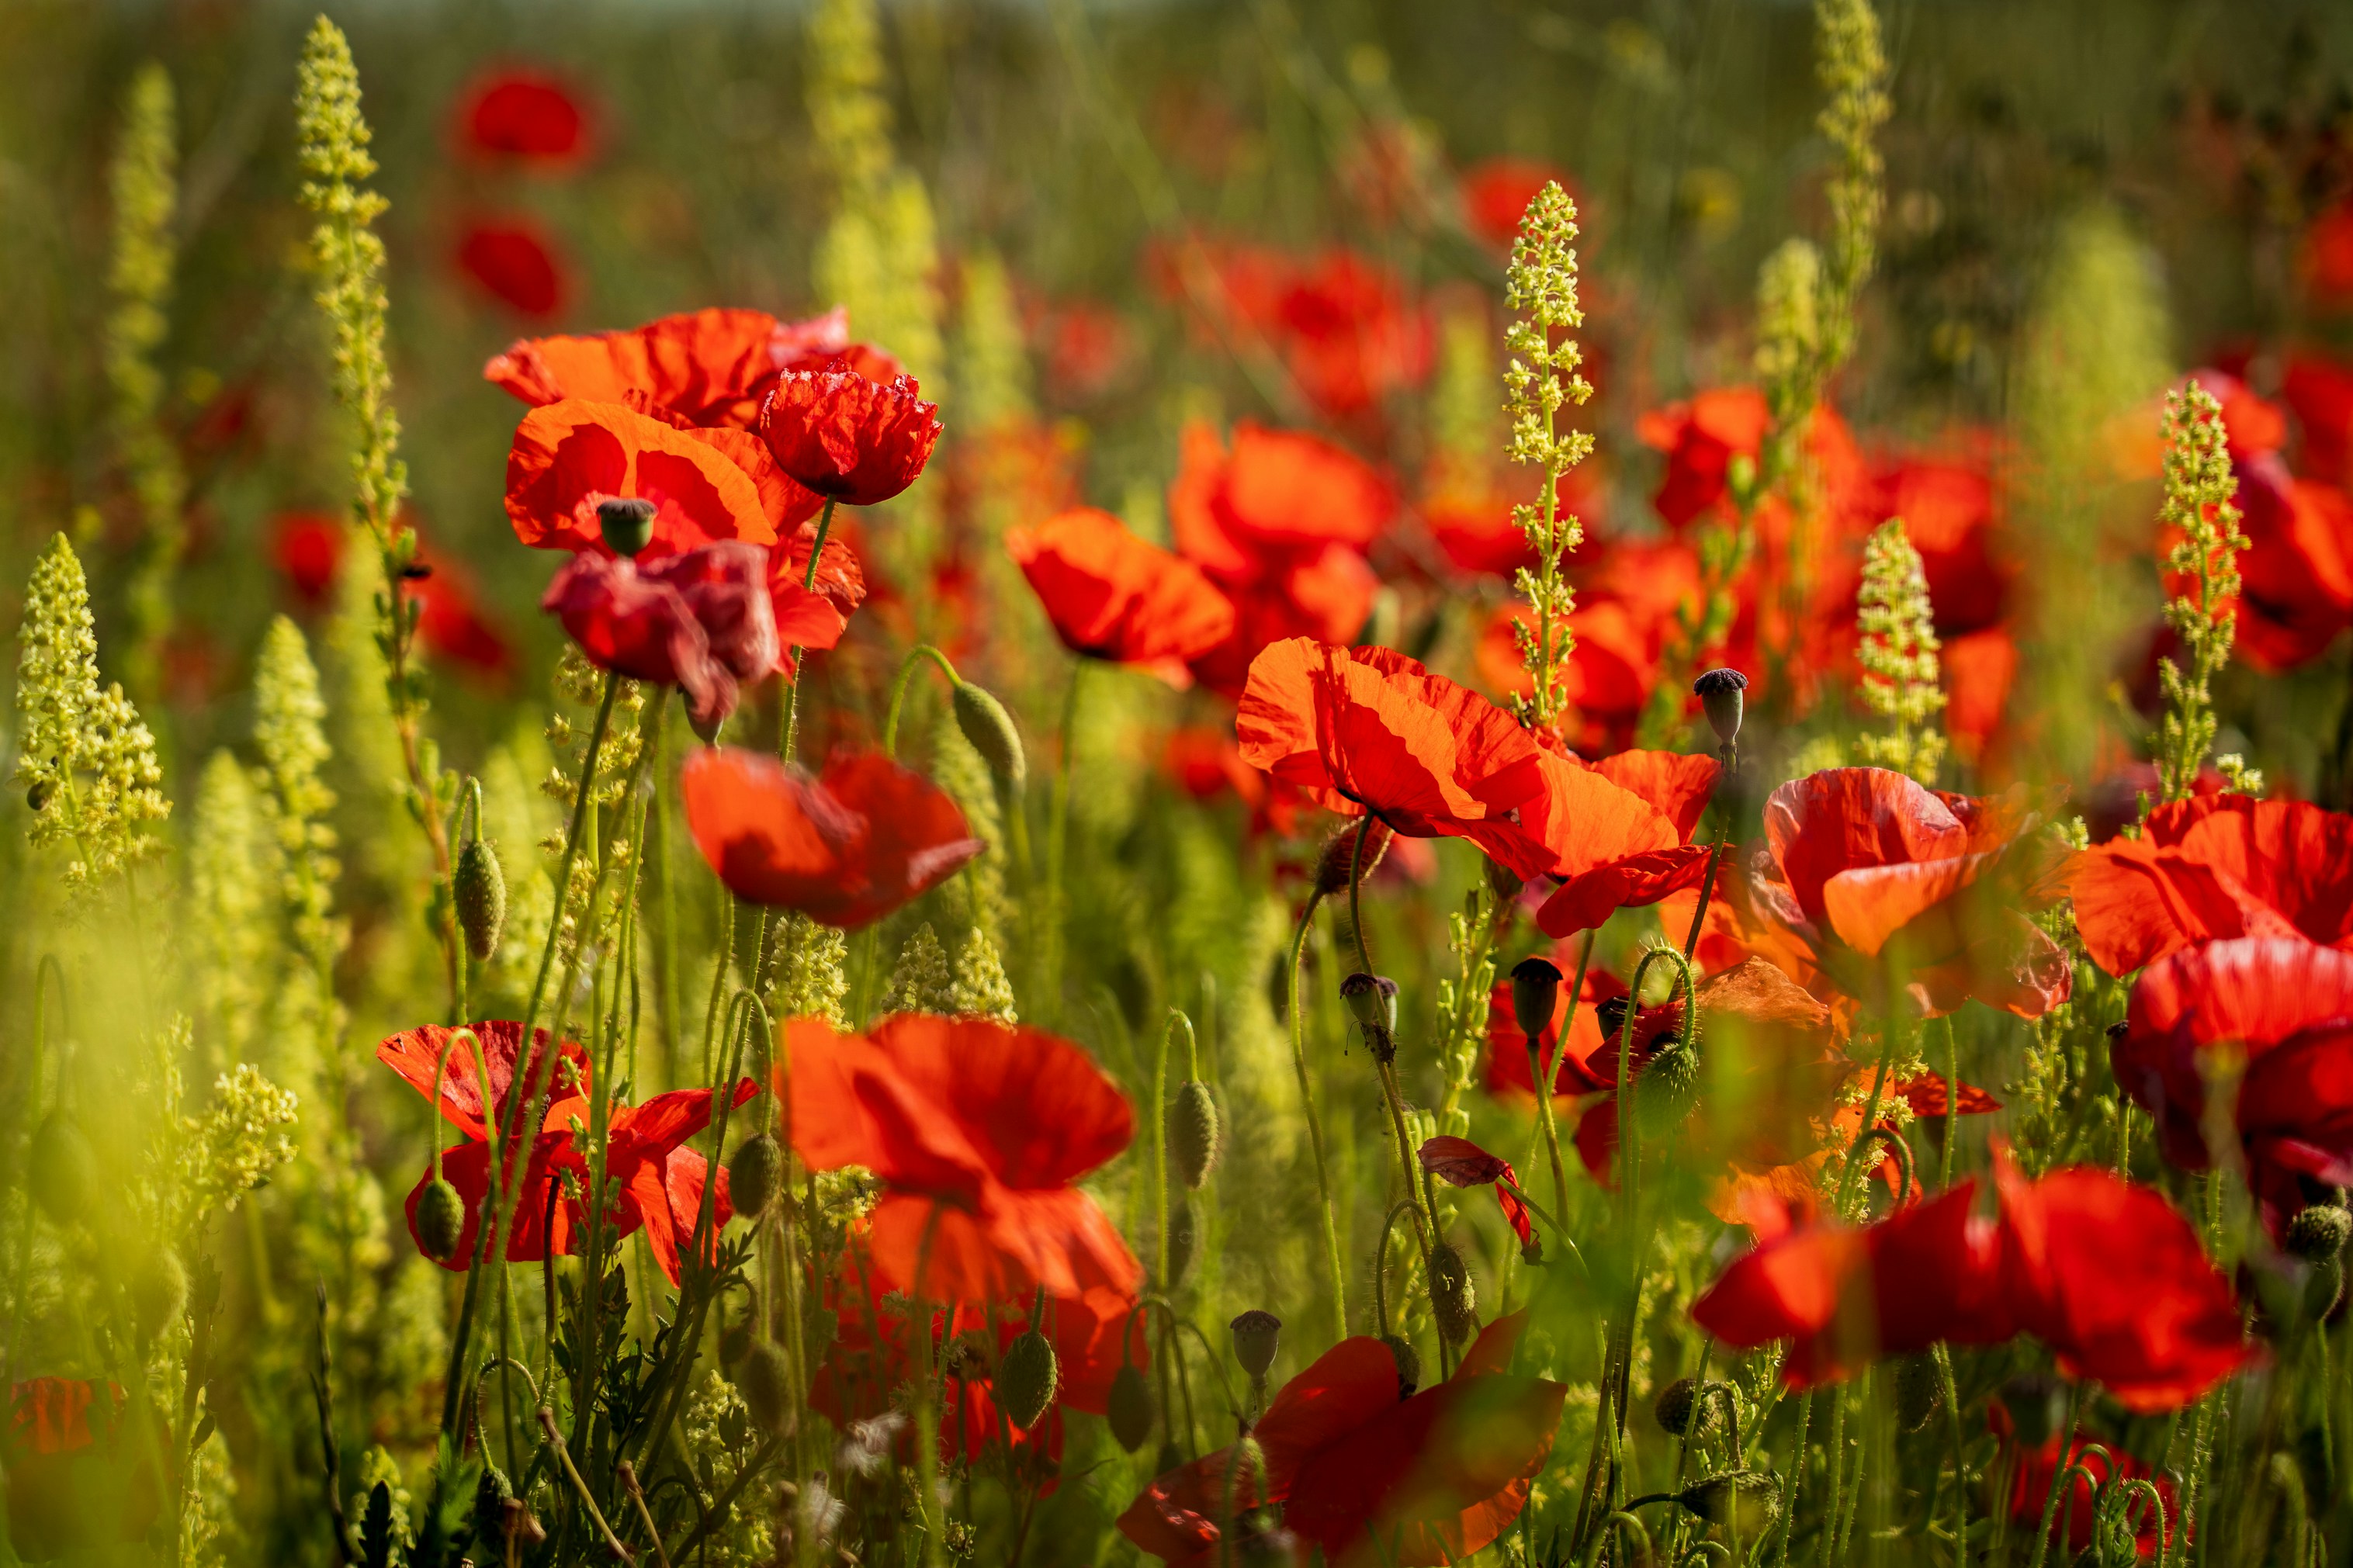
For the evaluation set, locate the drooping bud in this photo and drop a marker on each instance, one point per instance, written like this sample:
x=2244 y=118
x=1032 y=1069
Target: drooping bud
x=1668 y=1086
x=1371 y=999
x=764 y=1378
x=1919 y=1391
x=479 y=887
x=523 y=1525
x=1535 y=991
x=1027 y=1376
x=753 y=1173
x=2319 y=1232
x=1453 y=1298
x=735 y=1341
x=1181 y=1237
x=989 y=728
x=2324 y=1289
x=626 y=522
x=1409 y=1363
x=1194 y=1133
x=2036 y=1403
x=1257 y=1335
x=1747 y=1500
x=158 y=1291
x=1720 y=697
x=440 y=1220
x=1339 y=852
x=1680 y=1404
x=492 y=1493
x=1130 y=1409
x=61 y=1169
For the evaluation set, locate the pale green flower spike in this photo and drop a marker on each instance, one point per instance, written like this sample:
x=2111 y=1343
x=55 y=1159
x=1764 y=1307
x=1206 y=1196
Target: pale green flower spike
x=289 y=729
x=241 y=1141
x=2198 y=485
x=232 y=871
x=921 y=982
x=812 y=975
x=981 y=989
x=1790 y=327
x=1898 y=654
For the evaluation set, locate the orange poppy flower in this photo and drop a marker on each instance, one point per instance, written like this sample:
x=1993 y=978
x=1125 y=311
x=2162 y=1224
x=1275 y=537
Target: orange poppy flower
x=1701 y=436
x=513 y=260
x=705 y=484
x=2211 y=867
x=846 y=434
x=1630 y=847
x=79 y=1472
x=976 y=1131
x=845 y=849
x=1355 y=1455
x=709 y=367
x=1113 y=596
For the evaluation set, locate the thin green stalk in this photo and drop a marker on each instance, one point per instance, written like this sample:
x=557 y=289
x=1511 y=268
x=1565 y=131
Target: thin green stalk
x=2066 y=1452
x=787 y=733
x=899 y=684
x=1160 y=1149
x=1548 y=1125
x=1315 y=1123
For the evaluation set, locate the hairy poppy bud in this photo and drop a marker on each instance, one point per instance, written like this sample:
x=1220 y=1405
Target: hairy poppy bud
x=751 y=1175
x=1339 y=853
x=735 y=1341
x=1740 y=475
x=440 y=1220
x=1257 y=1335
x=2319 y=1232
x=764 y=1379
x=62 y=1170
x=158 y=1291
x=627 y=524
x=1130 y=1408
x=479 y=886
x=1180 y=1240
x=1409 y=1363
x=989 y=728
x=1745 y=1499
x=1026 y=1378
x=1453 y=1298
x=1194 y=1133
x=1919 y=1391
x=492 y=1493
x=1668 y=1086
x=1535 y=991
x=1719 y=692
x=1682 y=1410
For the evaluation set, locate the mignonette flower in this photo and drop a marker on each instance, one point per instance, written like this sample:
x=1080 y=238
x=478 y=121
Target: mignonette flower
x=1113 y=596
x=701 y=620
x=846 y=437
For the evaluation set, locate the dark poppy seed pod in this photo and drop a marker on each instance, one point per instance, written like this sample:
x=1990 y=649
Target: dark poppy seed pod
x=1680 y=1405
x=1919 y=1392
x=1257 y=1335
x=764 y=1379
x=1339 y=853
x=1371 y=1000
x=1745 y=1499
x=479 y=887
x=158 y=1291
x=61 y=1170
x=1181 y=1237
x=1264 y=1543
x=2319 y=1232
x=1453 y=1298
x=1536 y=992
x=989 y=728
x=1194 y=1133
x=751 y=1175
x=1610 y=1012
x=492 y=1493
x=1130 y=1407
x=440 y=1220
x=1409 y=1363
x=1026 y=1378
x=1719 y=692
x=627 y=524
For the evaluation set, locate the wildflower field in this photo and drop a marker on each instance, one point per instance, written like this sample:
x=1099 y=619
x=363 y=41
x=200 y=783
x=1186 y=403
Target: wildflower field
x=933 y=782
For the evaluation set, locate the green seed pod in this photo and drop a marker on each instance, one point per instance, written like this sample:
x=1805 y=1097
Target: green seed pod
x=2324 y=1289
x=1919 y=1392
x=492 y=1495
x=1027 y=1379
x=1194 y=1133
x=1257 y=1336
x=753 y=1173
x=1535 y=991
x=1372 y=1000
x=2319 y=1232
x=764 y=1379
x=61 y=1170
x=1181 y=1237
x=479 y=887
x=1745 y=1499
x=1130 y=1409
x=1679 y=1404
x=1721 y=697
x=627 y=524
x=158 y=1291
x=1409 y=1363
x=989 y=728
x=1453 y=1297
x=440 y=1221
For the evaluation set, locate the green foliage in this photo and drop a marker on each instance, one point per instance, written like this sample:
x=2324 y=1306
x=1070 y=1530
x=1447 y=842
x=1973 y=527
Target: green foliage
x=1541 y=378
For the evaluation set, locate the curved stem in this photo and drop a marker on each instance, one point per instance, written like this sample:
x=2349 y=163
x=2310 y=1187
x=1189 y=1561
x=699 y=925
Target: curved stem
x=1160 y=1150
x=1315 y=1125
x=899 y=684
x=564 y=1457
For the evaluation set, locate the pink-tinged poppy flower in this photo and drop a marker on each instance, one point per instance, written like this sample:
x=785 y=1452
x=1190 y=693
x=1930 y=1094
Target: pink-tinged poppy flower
x=524 y=114
x=709 y=367
x=2213 y=867
x=977 y=1131
x=2282 y=1009
x=513 y=261
x=1354 y=1456
x=1463 y=1163
x=80 y=1474
x=1496 y=193
x=846 y=437
x=1630 y=847
x=569 y=458
x=700 y=620
x=657 y=1182
x=1508 y=1072
x=306 y=547
x=2034 y=1470
x=1113 y=596
x=845 y=848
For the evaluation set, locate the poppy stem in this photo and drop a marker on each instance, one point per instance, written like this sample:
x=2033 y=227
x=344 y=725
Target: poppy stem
x=1314 y=1126
x=1160 y=1150
x=1706 y=888
x=787 y=733
x=1547 y=1127
x=1953 y=1106
x=2066 y=1453
x=899 y=684
x=1058 y=842
x=589 y=1501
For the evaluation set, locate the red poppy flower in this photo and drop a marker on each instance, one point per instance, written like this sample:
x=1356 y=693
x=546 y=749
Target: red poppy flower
x=1980 y=668
x=306 y=547
x=1949 y=510
x=846 y=437
x=845 y=849
x=1111 y=595
x=700 y=620
x=2325 y=259
x=512 y=260
x=1508 y=1048
x=2319 y=392
x=2296 y=593
x=2284 y=1009
x=709 y=367
x=2034 y=1470
x=1351 y=335
x=705 y=484
x=1630 y=845
x=2211 y=867
x=1606 y=678
x=1356 y=1457
x=1496 y=193
x=816 y=616
x=976 y=1131
x=657 y=1182
x=452 y=624
x=1477 y=533
x=1701 y=438
x=1463 y=1163
x=524 y=114
x=77 y=1471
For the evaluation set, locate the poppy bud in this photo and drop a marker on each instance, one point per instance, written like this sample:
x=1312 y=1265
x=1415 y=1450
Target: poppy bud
x=1535 y=990
x=1194 y=1133
x=1919 y=1392
x=735 y=1341
x=62 y=1170
x=1265 y=1544
x=1453 y=1298
x=1668 y=1086
x=1180 y=1241
x=1409 y=1363
x=1339 y=853
x=158 y=1291
x=2036 y=1403
x=763 y=1380
x=479 y=889
x=626 y=522
x=989 y=728
x=1130 y=1408
x=522 y=1524
x=1740 y=475
x=1257 y=1335
x=1026 y=1378
x=1504 y=883
x=751 y=1174
x=2319 y=1232
x=1371 y=1000
x=492 y=1493
x=1745 y=1499
x=440 y=1220
x=1719 y=692
x=1681 y=1410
